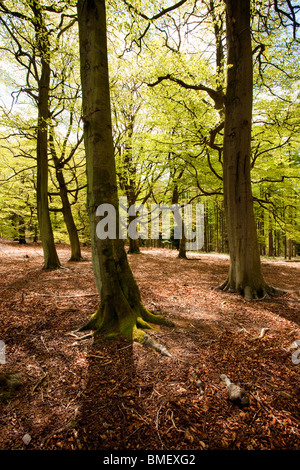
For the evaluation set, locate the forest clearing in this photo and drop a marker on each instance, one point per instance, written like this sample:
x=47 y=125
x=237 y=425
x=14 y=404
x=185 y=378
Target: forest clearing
x=78 y=393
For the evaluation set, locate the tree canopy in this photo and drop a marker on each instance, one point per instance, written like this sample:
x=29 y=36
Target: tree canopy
x=167 y=72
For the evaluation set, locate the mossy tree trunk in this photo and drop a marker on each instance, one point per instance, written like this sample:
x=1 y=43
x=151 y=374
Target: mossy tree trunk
x=121 y=311
x=245 y=274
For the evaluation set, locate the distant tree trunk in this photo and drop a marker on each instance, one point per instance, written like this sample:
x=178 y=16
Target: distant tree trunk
x=182 y=245
x=22 y=230
x=68 y=218
x=245 y=274
x=134 y=246
x=129 y=182
x=270 y=237
x=51 y=260
x=182 y=241
x=121 y=311
x=66 y=206
x=206 y=234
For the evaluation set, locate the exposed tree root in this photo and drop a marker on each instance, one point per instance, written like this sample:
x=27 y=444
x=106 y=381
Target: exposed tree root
x=49 y=267
x=134 y=251
x=76 y=258
x=261 y=292
x=113 y=319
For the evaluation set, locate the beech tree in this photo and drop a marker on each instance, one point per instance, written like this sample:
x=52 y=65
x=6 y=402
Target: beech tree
x=36 y=52
x=121 y=310
x=51 y=260
x=37 y=62
x=245 y=273
x=60 y=161
x=193 y=96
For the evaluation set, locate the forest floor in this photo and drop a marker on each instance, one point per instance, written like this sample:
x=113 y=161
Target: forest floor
x=81 y=394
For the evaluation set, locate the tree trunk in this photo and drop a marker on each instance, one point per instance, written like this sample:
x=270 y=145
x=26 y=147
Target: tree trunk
x=129 y=182
x=51 y=260
x=68 y=218
x=245 y=274
x=121 y=311
x=66 y=206
x=179 y=221
x=270 y=237
x=22 y=230
x=134 y=246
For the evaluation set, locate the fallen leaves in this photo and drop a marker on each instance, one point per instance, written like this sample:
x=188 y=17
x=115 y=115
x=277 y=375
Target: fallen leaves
x=114 y=395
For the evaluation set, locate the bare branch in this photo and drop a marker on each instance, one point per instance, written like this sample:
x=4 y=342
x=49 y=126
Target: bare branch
x=290 y=14
x=159 y=14
x=216 y=96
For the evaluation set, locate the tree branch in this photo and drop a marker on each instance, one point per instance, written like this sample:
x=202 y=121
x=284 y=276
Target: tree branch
x=216 y=96
x=159 y=14
x=290 y=15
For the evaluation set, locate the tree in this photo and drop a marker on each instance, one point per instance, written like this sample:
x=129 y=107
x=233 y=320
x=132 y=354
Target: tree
x=245 y=274
x=37 y=62
x=121 y=310
x=51 y=260
x=59 y=163
x=41 y=53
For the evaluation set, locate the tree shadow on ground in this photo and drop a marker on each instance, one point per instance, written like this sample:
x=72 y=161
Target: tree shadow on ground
x=112 y=415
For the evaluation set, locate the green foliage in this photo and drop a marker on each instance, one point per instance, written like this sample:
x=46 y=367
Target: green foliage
x=162 y=133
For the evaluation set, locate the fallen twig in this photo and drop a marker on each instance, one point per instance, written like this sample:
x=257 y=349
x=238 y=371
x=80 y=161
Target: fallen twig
x=80 y=338
x=64 y=296
x=43 y=341
x=262 y=334
x=148 y=341
x=40 y=382
x=244 y=329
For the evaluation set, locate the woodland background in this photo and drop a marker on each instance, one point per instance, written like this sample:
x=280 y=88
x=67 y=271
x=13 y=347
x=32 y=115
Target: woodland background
x=167 y=73
x=167 y=142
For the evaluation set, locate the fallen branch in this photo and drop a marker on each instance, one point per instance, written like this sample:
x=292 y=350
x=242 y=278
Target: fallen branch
x=64 y=296
x=69 y=425
x=66 y=309
x=40 y=382
x=236 y=394
x=80 y=338
x=244 y=329
x=148 y=341
x=262 y=334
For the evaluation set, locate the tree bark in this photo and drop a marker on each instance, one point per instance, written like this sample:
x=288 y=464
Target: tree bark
x=66 y=206
x=51 y=260
x=182 y=241
x=245 y=274
x=22 y=230
x=68 y=218
x=121 y=311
